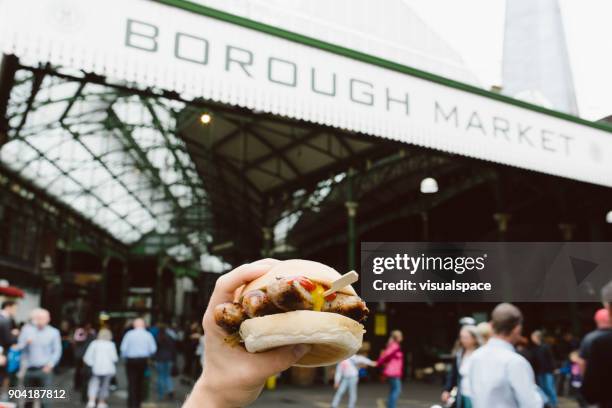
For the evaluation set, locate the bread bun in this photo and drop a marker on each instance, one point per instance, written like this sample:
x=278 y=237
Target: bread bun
x=315 y=271
x=333 y=337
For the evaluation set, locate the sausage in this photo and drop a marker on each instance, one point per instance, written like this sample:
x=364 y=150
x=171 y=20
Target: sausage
x=284 y=295
x=229 y=316
x=350 y=306
x=257 y=303
x=288 y=294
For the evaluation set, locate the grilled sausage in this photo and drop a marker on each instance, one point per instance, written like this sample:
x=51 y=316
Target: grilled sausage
x=229 y=316
x=284 y=295
x=347 y=305
x=257 y=303
x=288 y=294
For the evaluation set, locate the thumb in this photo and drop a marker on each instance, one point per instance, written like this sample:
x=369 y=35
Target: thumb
x=280 y=359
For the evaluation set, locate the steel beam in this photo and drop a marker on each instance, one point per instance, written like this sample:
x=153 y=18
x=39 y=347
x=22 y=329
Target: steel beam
x=8 y=67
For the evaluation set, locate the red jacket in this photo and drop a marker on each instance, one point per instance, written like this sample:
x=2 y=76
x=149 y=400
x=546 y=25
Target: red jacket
x=392 y=358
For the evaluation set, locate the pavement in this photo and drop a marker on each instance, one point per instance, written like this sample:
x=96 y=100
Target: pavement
x=371 y=395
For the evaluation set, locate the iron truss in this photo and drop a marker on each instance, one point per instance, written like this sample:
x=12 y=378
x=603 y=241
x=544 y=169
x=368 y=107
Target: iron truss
x=111 y=155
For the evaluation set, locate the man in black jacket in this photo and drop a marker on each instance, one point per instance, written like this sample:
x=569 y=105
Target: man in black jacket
x=544 y=366
x=596 y=384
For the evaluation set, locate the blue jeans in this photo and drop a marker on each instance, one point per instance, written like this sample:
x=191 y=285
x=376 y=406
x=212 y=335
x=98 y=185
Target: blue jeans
x=349 y=383
x=164 y=379
x=547 y=383
x=394 y=391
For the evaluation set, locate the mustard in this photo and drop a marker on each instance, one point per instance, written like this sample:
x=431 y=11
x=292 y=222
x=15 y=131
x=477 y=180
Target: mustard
x=317 y=298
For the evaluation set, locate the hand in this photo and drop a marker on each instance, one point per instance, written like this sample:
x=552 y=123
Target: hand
x=2 y=360
x=336 y=385
x=445 y=396
x=232 y=376
x=47 y=369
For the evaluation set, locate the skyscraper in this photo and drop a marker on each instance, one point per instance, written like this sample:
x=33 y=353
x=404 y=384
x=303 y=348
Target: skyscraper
x=536 y=65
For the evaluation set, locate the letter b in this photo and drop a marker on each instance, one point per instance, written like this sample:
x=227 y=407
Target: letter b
x=141 y=35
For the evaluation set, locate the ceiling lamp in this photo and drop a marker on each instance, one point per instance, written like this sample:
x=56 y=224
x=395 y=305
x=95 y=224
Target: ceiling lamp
x=205 y=119
x=429 y=185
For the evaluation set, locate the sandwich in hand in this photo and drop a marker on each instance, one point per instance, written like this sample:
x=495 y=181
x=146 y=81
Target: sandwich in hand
x=286 y=306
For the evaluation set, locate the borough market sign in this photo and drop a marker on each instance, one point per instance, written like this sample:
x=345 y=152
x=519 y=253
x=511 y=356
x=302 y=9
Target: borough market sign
x=232 y=61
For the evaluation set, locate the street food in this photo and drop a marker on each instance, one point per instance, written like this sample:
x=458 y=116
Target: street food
x=287 y=306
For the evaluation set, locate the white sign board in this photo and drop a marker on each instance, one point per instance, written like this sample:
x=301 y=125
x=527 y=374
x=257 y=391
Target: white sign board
x=156 y=45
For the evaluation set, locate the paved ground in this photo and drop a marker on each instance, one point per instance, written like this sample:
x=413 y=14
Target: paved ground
x=414 y=395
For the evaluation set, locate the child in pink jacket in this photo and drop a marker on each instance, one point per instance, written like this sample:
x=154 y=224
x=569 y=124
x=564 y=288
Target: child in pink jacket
x=392 y=359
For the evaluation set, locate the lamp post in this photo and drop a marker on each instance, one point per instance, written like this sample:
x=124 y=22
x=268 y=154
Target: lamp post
x=351 y=211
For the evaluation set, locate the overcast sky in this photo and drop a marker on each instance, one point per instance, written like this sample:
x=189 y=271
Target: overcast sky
x=474 y=28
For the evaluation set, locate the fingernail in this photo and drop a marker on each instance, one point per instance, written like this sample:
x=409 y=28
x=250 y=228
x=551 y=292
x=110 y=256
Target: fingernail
x=301 y=349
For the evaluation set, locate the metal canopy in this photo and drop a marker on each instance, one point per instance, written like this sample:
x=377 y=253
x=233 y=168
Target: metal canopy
x=254 y=166
x=139 y=163
x=145 y=168
x=111 y=155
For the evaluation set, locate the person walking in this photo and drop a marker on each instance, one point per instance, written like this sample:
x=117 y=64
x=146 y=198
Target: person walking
x=8 y=337
x=81 y=338
x=164 y=359
x=392 y=359
x=596 y=381
x=137 y=346
x=469 y=341
x=347 y=378
x=41 y=347
x=498 y=376
x=603 y=325
x=101 y=357
x=544 y=367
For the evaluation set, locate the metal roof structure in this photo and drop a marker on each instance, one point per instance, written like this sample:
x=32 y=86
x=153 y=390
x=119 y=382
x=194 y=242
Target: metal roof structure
x=126 y=146
x=112 y=156
x=145 y=168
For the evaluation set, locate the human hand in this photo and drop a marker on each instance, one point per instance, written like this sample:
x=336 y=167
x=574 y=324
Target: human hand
x=232 y=376
x=445 y=396
x=47 y=369
x=336 y=385
x=2 y=360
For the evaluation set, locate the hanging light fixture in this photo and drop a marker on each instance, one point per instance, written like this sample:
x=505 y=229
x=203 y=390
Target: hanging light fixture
x=206 y=118
x=609 y=217
x=429 y=185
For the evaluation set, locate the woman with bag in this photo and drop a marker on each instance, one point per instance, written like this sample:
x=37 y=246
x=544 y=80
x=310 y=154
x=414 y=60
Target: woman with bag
x=457 y=381
x=101 y=356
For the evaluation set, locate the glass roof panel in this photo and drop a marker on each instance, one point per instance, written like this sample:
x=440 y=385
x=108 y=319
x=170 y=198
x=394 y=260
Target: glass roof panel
x=112 y=156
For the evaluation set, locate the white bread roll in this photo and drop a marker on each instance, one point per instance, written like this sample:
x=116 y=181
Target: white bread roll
x=333 y=337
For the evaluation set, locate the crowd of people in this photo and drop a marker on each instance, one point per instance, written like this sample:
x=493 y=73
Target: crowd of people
x=33 y=352
x=508 y=370
x=493 y=365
